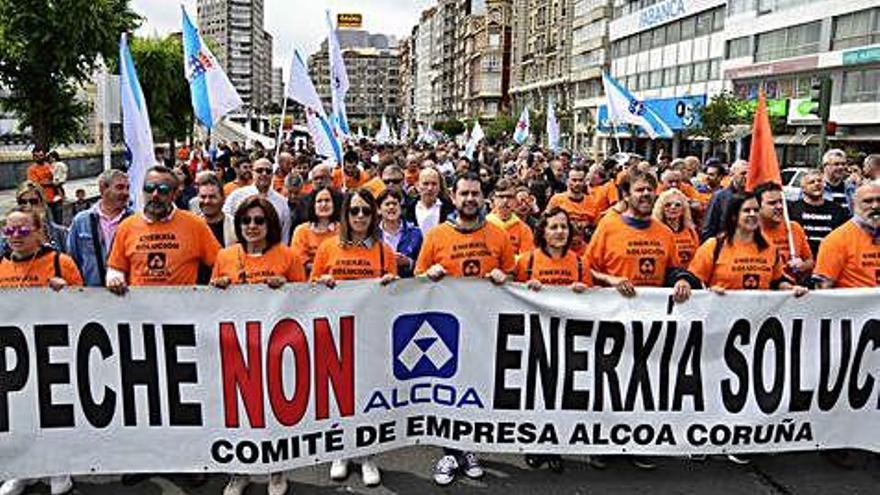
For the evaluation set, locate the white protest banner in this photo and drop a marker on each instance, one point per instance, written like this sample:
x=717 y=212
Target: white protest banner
x=255 y=380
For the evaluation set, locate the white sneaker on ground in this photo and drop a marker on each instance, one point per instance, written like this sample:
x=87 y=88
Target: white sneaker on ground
x=444 y=471
x=470 y=465
x=59 y=485
x=237 y=484
x=278 y=483
x=738 y=459
x=370 y=472
x=339 y=470
x=16 y=487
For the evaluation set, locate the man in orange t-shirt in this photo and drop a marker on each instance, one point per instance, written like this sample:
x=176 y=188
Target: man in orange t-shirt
x=42 y=172
x=502 y=216
x=799 y=264
x=575 y=200
x=284 y=166
x=850 y=255
x=244 y=174
x=161 y=245
x=632 y=249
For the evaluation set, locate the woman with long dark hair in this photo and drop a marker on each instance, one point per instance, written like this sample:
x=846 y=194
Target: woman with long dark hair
x=323 y=217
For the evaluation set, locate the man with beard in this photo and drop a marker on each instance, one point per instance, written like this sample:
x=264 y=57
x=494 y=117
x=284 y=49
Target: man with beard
x=465 y=246
x=850 y=255
x=210 y=199
x=580 y=206
x=262 y=187
x=719 y=201
x=837 y=188
x=813 y=212
x=241 y=165
x=162 y=245
x=799 y=264
x=92 y=231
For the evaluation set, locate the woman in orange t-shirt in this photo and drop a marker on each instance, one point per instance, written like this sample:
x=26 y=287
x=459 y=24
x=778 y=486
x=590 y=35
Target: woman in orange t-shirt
x=323 y=217
x=672 y=209
x=740 y=257
x=358 y=252
x=552 y=262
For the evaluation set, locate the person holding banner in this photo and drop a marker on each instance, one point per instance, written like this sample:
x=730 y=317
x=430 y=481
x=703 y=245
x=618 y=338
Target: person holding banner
x=358 y=252
x=798 y=265
x=27 y=261
x=465 y=246
x=404 y=238
x=323 y=217
x=673 y=210
x=259 y=257
x=740 y=257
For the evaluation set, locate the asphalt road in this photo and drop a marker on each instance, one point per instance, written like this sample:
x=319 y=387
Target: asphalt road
x=408 y=471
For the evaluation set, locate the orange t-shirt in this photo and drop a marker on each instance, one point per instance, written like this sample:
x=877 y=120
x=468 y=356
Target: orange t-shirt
x=520 y=235
x=233 y=262
x=43 y=175
x=305 y=241
x=163 y=253
x=686 y=242
x=278 y=184
x=230 y=187
x=778 y=237
x=353 y=262
x=466 y=254
x=349 y=183
x=36 y=272
x=640 y=255
x=739 y=266
x=581 y=212
x=375 y=186
x=552 y=271
x=849 y=257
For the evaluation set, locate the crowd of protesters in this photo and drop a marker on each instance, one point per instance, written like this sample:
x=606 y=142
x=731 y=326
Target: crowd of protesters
x=510 y=214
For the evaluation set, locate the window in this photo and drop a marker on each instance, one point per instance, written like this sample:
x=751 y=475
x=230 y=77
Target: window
x=646 y=40
x=688 y=27
x=789 y=42
x=669 y=76
x=659 y=37
x=715 y=69
x=685 y=74
x=634 y=44
x=673 y=32
x=718 y=20
x=656 y=78
x=704 y=23
x=738 y=47
x=701 y=71
x=632 y=83
x=644 y=81
x=861 y=86
x=856 y=29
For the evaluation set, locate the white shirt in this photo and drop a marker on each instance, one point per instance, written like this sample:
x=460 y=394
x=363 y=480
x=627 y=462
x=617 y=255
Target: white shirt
x=392 y=238
x=278 y=201
x=427 y=218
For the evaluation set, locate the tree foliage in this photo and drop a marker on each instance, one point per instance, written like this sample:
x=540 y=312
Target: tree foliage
x=501 y=127
x=451 y=127
x=48 y=50
x=716 y=119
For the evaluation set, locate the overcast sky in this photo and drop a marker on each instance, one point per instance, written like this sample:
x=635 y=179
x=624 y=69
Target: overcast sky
x=297 y=23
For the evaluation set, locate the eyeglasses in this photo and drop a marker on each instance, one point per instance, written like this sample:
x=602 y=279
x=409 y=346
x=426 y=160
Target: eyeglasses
x=161 y=188
x=356 y=211
x=247 y=220
x=29 y=201
x=263 y=171
x=672 y=204
x=392 y=181
x=18 y=231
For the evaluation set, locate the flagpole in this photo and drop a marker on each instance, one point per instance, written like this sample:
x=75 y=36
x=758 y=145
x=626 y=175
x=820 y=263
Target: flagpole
x=788 y=228
x=280 y=126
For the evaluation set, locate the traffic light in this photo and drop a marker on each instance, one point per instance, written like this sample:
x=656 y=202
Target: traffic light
x=820 y=98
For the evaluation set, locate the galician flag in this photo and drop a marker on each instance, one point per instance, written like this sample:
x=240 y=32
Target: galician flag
x=552 y=128
x=624 y=108
x=213 y=96
x=338 y=80
x=301 y=90
x=135 y=124
x=522 y=127
x=477 y=135
x=384 y=134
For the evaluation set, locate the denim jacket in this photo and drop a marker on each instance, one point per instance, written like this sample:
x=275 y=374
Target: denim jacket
x=81 y=246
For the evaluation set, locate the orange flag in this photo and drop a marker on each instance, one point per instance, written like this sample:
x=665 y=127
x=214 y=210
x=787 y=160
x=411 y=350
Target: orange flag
x=763 y=165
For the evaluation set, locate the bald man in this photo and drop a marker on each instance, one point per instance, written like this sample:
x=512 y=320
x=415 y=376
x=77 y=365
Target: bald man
x=712 y=222
x=430 y=208
x=285 y=165
x=850 y=255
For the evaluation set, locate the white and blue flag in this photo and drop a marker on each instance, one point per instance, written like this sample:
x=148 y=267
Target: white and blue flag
x=552 y=128
x=624 y=108
x=522 y=127
x=213 y=95
x=338 y=80
x=384 y=134
x=301 y=90
x=135 y=124
x=477 y=135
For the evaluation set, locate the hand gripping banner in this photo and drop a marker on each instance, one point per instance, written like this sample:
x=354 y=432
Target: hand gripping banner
x=255 y=380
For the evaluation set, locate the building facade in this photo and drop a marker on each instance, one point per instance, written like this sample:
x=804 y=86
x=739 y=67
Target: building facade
x=589 y=57
x=243 y=47
x=423 y=65
x=485 y=62
x=407 y=79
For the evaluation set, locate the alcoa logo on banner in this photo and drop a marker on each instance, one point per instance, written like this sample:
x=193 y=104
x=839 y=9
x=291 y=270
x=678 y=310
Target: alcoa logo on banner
x=425 y=347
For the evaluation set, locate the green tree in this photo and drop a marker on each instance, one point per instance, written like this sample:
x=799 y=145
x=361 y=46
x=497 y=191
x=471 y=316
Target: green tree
x=501 y=127
x=451 y=127
x=48 y=49
x=716 y=119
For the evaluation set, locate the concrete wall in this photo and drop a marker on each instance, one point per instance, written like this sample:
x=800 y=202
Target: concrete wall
x=13 y=173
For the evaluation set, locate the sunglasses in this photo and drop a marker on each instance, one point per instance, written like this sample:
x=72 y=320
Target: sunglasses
x=247 y=220
x=151 y=187
x=31 y=201
x=263 y=171
x=20 y=231
x=360 y=210
x=673 y=204
x=392 y=181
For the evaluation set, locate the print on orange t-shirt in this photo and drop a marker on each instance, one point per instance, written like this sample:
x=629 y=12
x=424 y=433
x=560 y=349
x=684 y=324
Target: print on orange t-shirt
x=353 y=262
x=686 y=242
x=466 y=254
x=36 y=271
x=639 y=255
x=778 y=238
x=581 y=212
x=849 y=257
x=242 y=268
x=549 y=271
x=520 y=235
x=739 y=266
x=163 y=253
x=305 y=241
